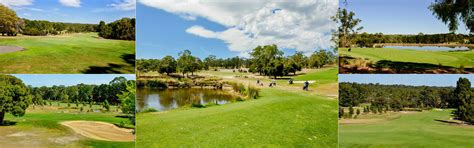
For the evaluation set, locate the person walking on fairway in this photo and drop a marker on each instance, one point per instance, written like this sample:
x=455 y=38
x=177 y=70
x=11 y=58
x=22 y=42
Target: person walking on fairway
x=306 y=85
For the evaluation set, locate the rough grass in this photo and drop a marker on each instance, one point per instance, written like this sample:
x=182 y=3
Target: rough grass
x=410 y=130
x=72 y=53
x=445 y=58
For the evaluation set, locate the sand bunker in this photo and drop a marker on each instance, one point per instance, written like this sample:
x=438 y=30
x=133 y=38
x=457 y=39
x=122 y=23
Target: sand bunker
x=7 y=49
x=100 y=130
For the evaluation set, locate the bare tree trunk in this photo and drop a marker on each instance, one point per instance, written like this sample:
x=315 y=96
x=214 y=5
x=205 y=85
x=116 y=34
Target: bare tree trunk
x=2 y=115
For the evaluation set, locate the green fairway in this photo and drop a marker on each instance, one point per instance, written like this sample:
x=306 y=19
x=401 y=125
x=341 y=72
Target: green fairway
x=322 y=76
x=72 y=53
x=408 y=130
x=445 y=58
x=277 y=118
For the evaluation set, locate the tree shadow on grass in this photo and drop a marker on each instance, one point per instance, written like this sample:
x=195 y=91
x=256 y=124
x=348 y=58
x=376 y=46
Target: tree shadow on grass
x=8 y=123
x=411 y=67
x=113 y=68
x=110 y=68
x=129 y=59
x=349 y=64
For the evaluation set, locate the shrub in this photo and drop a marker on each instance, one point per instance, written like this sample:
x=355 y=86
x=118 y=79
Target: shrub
x=198 y=105
x=253 y=92
x=148 y=110
x=156 y=84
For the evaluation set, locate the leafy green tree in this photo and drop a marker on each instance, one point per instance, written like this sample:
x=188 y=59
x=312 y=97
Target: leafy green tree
x=351 y=111
x=463 y=91
x=167 y=65
x=127 y=99
x=347 y=27
x=451 y=12
x=210 y=61
x=185 y=62
x=106 y=105
x=14 y=96
x=9 y=21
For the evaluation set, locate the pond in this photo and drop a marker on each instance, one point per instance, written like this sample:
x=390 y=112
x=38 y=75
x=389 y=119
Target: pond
x=166 y=99
x=430 y=48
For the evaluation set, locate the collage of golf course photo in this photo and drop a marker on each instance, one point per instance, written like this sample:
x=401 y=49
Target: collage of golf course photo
x=237 y=73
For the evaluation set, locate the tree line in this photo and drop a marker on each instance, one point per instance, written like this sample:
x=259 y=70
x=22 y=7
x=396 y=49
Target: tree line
x=449 y=12
x=15 y=96
x=265 y=60
x=397 y=97
x=11 y=25
x=43 y=28
x=368 y=40
x=81 y=93
x=123 y=29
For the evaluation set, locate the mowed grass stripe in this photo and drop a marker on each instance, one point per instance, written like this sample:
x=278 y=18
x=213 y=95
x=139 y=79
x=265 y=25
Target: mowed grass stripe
x=278 y=118
x=445 y=58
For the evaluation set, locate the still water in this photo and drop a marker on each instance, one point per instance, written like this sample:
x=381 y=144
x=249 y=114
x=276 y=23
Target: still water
x=166 y=99
x=430 y=48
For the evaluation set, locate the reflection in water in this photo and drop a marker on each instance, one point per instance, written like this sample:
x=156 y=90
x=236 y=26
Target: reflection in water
x=166 y=99
x=431 y=48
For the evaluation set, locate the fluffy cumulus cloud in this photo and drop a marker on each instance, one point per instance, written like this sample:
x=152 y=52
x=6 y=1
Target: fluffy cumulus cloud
x=125 y=5
x=304 y=25
x=71 y=3
x=10 y=3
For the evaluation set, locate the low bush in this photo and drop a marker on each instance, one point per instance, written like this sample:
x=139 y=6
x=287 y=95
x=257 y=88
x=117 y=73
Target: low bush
x=148 y=110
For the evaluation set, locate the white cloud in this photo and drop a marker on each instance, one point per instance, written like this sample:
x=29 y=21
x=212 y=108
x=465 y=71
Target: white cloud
x=125 y=5
x=10 y=3
x=304 y=25
x=200 y=31
x=71 y=3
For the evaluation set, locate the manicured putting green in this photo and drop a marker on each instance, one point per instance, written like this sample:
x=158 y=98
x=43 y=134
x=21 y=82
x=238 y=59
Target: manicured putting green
x=409 y=130
x=72 y=53
x=445 y=58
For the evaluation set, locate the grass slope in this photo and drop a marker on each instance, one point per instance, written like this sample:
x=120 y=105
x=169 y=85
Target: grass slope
x=409 y=130
x=445 y=58
x=278 y=118
x=322 y=76
x=73 y=53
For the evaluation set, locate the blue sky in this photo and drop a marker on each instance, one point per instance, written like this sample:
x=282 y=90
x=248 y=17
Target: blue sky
x=231 y=28
x=160 y=33
x=398 y=16
x=407 y=79
x=75 y=11
x=68 y=79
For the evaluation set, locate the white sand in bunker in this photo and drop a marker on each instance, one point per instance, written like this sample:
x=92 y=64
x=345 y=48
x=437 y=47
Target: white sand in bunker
x=100 y=130
x=7 y=49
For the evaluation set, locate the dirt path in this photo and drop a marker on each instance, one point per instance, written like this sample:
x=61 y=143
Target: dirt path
x=100 y=130
x=7 y=49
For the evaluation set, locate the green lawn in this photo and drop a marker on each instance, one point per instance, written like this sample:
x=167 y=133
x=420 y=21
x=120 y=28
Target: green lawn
x=409 y=130
x=46 y=125
x=277 y=118
x=72 y=53
x=445 y=58
x=321 y=76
